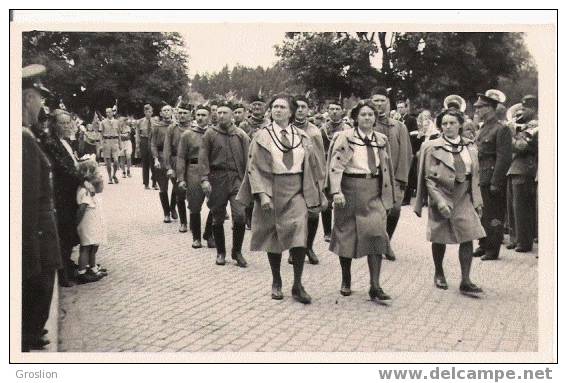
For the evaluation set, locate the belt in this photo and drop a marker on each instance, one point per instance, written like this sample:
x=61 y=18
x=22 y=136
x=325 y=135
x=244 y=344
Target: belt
x=110 y=137
x=193 y=161
x=219 y=168
x=287 y=174
x=366 y=176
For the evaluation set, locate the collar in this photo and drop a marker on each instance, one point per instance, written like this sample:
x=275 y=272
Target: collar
x=455 y=140
x=278 y=129
x=229 y=131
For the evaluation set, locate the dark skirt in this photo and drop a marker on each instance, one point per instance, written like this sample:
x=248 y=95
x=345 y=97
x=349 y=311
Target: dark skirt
x=360 y=227
x=464 y=223
x=284 y=227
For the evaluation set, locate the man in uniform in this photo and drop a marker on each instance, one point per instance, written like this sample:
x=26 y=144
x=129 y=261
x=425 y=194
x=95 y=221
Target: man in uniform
x=214 y=118
x=189 y=176
x=223 y=156
x=41 y=255
x=521 y=178
x=334 y=124
x=144 y=151
x=256 y=120
x=494 y=142
x=171 y=144
x=111 y=144
x=125 y=158
x=159 y=132
x=239 y=114
x=401 y=154
x=314 y=133
x=411 y=125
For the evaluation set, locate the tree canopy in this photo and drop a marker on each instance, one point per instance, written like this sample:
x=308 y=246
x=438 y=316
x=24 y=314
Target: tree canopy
x=89 y=71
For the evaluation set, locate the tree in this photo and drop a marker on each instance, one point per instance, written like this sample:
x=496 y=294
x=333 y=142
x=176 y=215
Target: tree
x=89 y=71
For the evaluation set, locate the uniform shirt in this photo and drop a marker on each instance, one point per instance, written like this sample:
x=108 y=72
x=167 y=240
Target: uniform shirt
x=465 y=155
x=188 y=149
x=159 y=130
x=223 y=150
x=298 y=153
x=110 y=128
x=359 y=161
x=144 y=128
x=171 y=143
x=400 y=146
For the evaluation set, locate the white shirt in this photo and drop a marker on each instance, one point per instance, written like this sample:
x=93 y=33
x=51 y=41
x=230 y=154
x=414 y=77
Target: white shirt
x=278 y=166
x=465 y=155
x=70 y=150
x=359 y=161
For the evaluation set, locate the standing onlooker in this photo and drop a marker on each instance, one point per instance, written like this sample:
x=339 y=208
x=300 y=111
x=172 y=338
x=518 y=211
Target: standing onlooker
x=41 y=255
x=111 y=144
x=143 y=147
x=494 y=142
x=125 y=157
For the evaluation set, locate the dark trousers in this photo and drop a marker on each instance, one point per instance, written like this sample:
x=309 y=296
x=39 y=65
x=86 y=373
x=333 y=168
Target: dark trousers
x=521 y=210
x=180 y=200
x=327 y=219
x=67 y=271
x=492 y=220
x=147 y=161
x=37 y=292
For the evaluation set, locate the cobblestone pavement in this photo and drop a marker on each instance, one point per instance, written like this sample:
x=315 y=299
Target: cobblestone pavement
x=162 y=295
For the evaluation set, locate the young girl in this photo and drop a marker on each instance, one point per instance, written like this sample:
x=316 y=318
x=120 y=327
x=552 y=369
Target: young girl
x=91 y=227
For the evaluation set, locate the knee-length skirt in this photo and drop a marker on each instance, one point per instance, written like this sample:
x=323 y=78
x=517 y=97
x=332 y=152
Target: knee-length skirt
x=285 y=226
x=360 y=227
x=464 y=223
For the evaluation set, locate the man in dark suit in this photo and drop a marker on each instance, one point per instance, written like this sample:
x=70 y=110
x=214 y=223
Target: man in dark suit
x=411 y=125
x=40 y=241
x=494 y=142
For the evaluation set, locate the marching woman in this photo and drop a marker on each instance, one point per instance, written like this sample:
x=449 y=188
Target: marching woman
x=360 y=179
x=282 y=180
x=449 y=177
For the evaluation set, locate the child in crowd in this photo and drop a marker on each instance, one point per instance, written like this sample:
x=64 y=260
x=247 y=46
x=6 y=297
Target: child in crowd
x=91 y=227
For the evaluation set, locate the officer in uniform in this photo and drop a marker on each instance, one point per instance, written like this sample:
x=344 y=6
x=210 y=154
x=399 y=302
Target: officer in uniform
x=171 y=144
x=143 y=149
x=521 y=177
x=256 y=120
x=222 y=157
x=41 y=255
x=189 y=176
x=494 y=143
x=401 y=155
x=335 y=124
x=111 y=144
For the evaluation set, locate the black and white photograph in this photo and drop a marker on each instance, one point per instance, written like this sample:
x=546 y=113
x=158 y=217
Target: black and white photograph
x=266 y=190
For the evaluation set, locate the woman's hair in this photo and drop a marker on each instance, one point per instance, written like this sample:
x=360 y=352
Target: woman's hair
x=290 y=102
x=356 y=110
x=88 y=169
x=421 y=117
x=451 y=112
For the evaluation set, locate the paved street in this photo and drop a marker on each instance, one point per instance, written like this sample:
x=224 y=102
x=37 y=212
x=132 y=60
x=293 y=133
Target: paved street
x=162 y=295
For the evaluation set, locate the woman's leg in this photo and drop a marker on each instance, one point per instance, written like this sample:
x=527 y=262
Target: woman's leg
x=465 y=258
x=346 y=278
x=374 y=266
x=275 y=260
x=298 y=292
x=438 y=251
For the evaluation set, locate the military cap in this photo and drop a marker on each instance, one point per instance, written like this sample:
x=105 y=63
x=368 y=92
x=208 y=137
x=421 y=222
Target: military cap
x=226 y=104
x=301 y=97
x=335 y=102
x=203 y=106
x=380 y=90
x=185 y=105
x=238 y=105
x=529 y=101
x=30 y=78
x=257 y=98
x=148 y=107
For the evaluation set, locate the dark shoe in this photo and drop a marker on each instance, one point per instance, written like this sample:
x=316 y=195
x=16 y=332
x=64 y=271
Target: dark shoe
x=100 y=268
x=123 y=175
x=479 y=252
x=167 y=219
x=174 y=214
x=470 y=289
x=240 y=261
x=300 y=295
x=277 y=293
x=66 y=283
x=44 y=332
x=489 y=257
x=196 y=244
x=312 y=257
x=327 y=237
x=128 y=174
x=38 y=344
x=345 y=290
x=155 y=186
x=115 y=179
x=521 y=249
x=221 y=260
x=183 y=228
x=290 y=260
x=110 y=181
x=511 y=246
x=378 y=294
x=440 y=282
x=390 y=256
x=88 y=277
x=146 y=187
x=211 y=244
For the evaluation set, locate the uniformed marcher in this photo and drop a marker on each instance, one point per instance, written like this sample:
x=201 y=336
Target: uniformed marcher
x=282 y=180
x=222 y=158
x=157 y=144
x=314 y=133
x=189 y=176
x=401 y=155
x=329 y=129
x=170 y=146
x=41 y=255
x=143 y=148
x=494 y=143
x=521 y=177
x=448 y=182
x=239 y=114
x=111 y=144
x=125 y=157
x=410 y=123
x=360 y=179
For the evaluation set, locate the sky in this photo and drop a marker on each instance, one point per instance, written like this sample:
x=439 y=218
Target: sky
x=254 y=46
